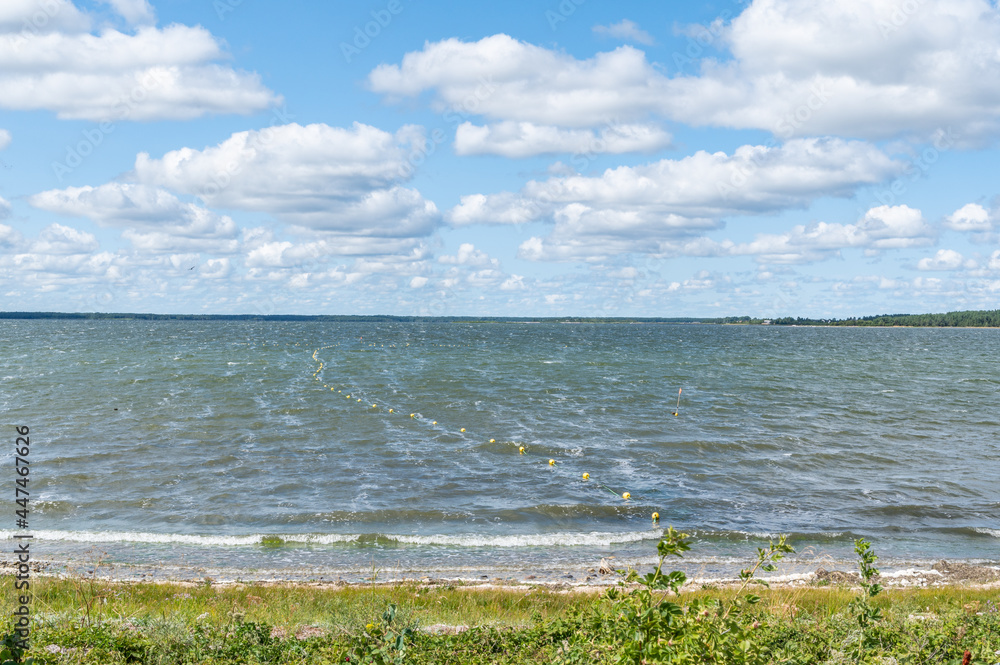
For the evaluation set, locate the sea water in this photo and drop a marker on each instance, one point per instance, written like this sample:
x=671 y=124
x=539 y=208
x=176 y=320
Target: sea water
x=260 y=449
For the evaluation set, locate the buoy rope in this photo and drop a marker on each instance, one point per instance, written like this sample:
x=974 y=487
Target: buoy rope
x=417 y=416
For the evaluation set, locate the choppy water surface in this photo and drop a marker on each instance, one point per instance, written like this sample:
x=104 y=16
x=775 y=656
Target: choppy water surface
x=186 y=443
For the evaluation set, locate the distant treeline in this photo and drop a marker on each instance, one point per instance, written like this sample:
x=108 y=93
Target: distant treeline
x=970 y=319
x=356 y=318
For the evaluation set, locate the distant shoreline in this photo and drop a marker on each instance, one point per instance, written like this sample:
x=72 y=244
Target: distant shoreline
x=989 y=319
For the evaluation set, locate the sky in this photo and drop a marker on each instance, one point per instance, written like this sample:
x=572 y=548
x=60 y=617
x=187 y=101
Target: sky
x=562 y=158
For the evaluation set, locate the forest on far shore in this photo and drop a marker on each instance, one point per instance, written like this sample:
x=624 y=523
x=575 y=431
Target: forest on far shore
x=968 y=319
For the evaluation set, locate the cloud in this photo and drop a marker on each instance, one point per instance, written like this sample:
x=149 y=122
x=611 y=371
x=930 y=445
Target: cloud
x=136 y=12
x=854 y=68
x=153 y=74
x=34 y=17
x=753 y=179
x=945 y=259
x=10 y=237
x=48 y=271
x=4 y=208
x=859 y=68
x=318 y=178
x=60 y=255
x=468 y=255
x=625 y=30
x=511 y=80
x=57 y=239
x=513 y=283
x=883 y=227
x=314 y=256
x=216 y=269
x=4 y=138
x=636 y=208
x=994 y=260
x=154 y=220
x=525 y=139
x=970 y=217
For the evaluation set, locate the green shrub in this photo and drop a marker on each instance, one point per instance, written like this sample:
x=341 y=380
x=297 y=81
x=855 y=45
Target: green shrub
x=642 y=626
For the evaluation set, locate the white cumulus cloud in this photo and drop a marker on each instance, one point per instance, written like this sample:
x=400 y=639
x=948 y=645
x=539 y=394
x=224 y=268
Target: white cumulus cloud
x=636 y=208
x=175 y=72
x=970 y=217
x=945 y=259
x=59 y=240
x=857 y=68
x=507 y=79
x=525 y=139
x=24 y=17
x=317 y=177
x=882 y=227
x=468 y=255
x=153 y=219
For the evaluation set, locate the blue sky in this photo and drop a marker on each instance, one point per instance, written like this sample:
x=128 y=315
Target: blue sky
x=579 y=157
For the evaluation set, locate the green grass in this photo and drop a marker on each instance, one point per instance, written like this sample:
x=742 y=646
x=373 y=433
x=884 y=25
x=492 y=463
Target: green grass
x=287 y=605
x=257 y=623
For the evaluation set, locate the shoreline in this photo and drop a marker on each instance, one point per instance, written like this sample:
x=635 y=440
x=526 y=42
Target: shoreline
x=90 y=620
x=943 y=573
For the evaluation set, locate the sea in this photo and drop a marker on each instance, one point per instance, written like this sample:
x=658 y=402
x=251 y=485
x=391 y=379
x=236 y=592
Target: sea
x=337 y=451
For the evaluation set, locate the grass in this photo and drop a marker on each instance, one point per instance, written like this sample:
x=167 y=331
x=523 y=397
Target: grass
x=288 y=605
x=102 y=622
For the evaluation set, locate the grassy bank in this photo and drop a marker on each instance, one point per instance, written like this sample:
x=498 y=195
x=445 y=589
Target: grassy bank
x=645 y=618
x=85 y=621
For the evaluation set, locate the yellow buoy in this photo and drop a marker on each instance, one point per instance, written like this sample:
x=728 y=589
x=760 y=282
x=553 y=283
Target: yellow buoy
x=586 y=476
x=374 y=406
x=462 y=430
x=552 y=462
x=390 y=410
x=413 y=415
x=493 y=440
x=626 y=496
x=656 y=517
x=359 y=399
x=521 y=450
x=434 y=422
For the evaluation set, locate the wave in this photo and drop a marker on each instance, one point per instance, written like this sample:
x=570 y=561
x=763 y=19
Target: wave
x=573 y=539
x=176 y=538
x=594 y=538
x=793 y=536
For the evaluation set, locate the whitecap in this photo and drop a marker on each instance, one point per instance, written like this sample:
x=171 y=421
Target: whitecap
x=594 y=538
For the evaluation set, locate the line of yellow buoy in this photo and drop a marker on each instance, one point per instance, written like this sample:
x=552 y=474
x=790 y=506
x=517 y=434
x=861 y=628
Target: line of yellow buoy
x=521 y=448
